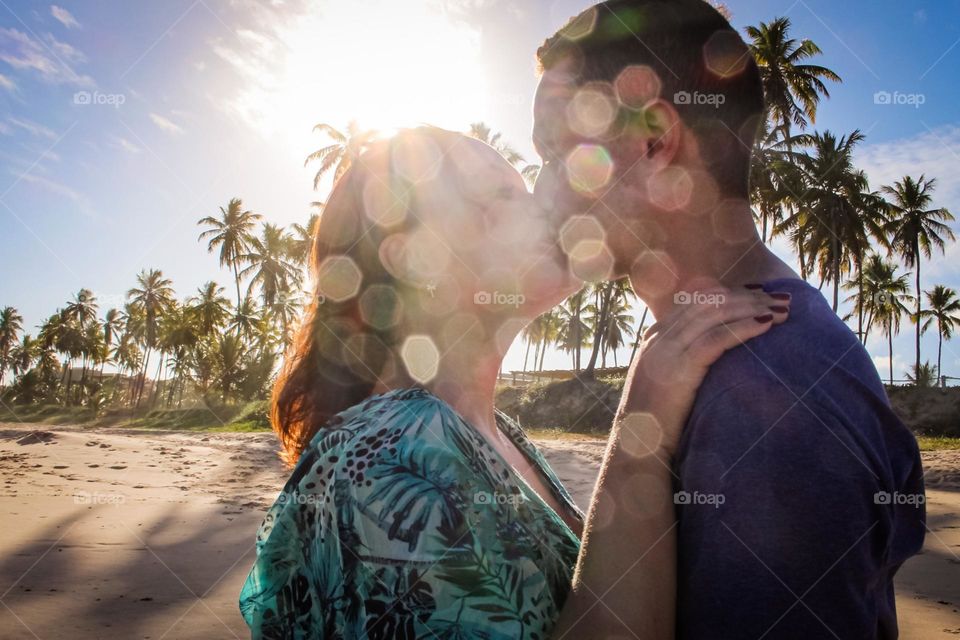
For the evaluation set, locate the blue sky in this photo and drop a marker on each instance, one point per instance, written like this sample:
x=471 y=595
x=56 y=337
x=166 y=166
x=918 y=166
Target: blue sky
x=121 y=124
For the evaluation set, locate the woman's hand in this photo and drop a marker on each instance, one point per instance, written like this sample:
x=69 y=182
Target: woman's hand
x=625 y=580
x=676 y=354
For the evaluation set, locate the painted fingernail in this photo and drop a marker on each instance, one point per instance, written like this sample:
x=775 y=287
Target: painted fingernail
x=753 y=286
x=779 y=309
x=765 y=318
x=780 y=296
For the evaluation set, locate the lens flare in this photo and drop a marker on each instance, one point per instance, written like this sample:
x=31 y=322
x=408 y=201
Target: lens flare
x=381 y=306
x=636 y=86
x=421 y=358
x=589 y=168
x=725 y=55
x=591 y=112
x=382 y=206
x=339 y=278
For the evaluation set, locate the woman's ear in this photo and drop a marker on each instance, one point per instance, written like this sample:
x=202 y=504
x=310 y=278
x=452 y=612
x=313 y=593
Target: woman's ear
x=392 y=253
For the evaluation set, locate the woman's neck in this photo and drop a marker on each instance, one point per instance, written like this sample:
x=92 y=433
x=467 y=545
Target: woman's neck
x=466 y=376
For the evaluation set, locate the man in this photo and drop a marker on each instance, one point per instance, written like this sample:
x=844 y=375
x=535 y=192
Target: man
x=798 y=491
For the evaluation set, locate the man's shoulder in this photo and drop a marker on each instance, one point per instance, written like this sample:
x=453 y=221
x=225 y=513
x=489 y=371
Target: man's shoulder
x=807 y=385
x=813 y=352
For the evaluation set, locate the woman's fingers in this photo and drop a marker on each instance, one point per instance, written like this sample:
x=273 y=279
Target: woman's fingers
x=725 y=308
x=713 y=343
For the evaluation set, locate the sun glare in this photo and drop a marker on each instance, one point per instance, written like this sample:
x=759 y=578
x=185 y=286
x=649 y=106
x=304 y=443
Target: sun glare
x=384 y=64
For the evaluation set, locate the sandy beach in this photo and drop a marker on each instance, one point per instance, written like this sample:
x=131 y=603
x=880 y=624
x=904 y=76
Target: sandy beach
x=112 y=533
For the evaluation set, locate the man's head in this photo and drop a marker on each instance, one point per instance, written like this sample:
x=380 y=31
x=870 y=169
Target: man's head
x=649 y=105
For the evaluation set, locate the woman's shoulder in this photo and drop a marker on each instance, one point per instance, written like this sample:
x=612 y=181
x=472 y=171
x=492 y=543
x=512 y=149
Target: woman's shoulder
x=388 y=418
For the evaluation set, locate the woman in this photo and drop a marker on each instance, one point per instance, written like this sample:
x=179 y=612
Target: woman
x=415 y=509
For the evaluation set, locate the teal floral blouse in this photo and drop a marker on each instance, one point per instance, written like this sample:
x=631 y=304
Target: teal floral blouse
x=401 y=521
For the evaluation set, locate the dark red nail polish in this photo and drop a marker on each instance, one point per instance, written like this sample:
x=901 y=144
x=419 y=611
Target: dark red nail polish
x=753 y=286
x=765 y=318
x=779 y=309
x=780 y=296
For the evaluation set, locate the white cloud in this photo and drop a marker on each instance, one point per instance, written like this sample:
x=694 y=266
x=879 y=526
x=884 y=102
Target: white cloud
x=64 y=17
x=32 y=128
x=7 y=83
x=126 y=145
x=81 y=201
x=935 y=154
x=167 y=125
x=51 y=60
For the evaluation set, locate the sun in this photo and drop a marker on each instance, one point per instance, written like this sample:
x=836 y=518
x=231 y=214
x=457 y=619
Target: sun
x=384 y=65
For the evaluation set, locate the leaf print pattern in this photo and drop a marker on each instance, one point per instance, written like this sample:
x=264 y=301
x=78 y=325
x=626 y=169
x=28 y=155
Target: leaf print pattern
x=382 y=531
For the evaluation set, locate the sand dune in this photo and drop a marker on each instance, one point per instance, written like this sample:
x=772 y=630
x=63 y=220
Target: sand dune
x=113 y=533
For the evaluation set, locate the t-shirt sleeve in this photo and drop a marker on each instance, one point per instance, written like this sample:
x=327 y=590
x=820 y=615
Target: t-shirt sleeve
x=785 y=530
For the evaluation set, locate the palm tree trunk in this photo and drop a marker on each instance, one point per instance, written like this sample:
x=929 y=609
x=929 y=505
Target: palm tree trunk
x=636 y=343
x=543 y=352
x=600 y=330
x=890 y=347
x=939 y=348
x=836 y=271
x=143 y=380
x=157 y=385
x=526 y=356
x=916 y=252
x=860 y=298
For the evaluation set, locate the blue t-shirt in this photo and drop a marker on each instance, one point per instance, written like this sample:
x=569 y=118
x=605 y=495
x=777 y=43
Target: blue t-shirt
x=799 y=491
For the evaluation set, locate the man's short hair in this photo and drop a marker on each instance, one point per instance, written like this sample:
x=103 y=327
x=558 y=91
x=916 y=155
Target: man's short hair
x=704 y=67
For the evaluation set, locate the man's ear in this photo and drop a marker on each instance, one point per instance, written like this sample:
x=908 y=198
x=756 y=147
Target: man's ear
x=663 y=132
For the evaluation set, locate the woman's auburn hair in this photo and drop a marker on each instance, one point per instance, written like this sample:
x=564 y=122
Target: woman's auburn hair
x=337 y=354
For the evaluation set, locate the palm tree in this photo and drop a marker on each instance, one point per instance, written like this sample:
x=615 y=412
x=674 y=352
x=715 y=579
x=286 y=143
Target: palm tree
x=112 y=327
x=618 y=327
x=245 y=322
x=915 y=229
x=83 y=311
x=228 y=357
x=211 y=308
x=231 y=233
x=154 y=297
x=269 y=264
x=574 y=333
x=836 y=214
x=482 y=132
x=606 y=296
x=943 y=307
x=770 y=171
x=888 y=305
x=11 y=324
x=23 y=355
x=924 y=376
x=792 y=89
x=344 y=151
x=302 y=241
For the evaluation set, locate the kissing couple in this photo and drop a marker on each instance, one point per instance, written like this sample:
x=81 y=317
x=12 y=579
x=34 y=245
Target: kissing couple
x=740 y=494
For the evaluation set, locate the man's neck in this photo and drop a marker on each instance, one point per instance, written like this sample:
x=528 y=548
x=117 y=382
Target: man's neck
x=704 y=251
